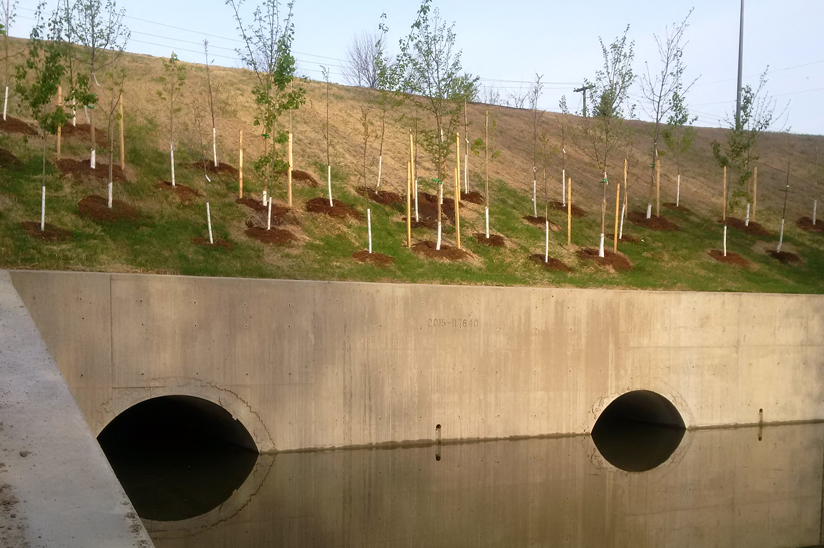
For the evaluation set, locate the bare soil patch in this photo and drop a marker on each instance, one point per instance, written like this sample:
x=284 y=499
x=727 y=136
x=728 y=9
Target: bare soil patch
x=424 y=222
x=255 y=205
x=96 y=208
x=576 y=211
x=785 y=257
x=673 y=207
x=661 y=224
x=383 y=197
x=494 y=240
x=218 y=242
x=339 y=210
x=81 y=169
x=541 y=222
x=428 y=207
x=7 y=159
x=304 y=177
x=16 y=125
x=805 y=223
x=553 y=264
x=84 y=132
x=277 y=236
x=473 y=197
x=627 y=239
x=446 y=253
x=50 y=234
x=614 y=260
x=755 y=229
x=731 y=258
x=220 y=169
x=377 y=259
x=186 y=194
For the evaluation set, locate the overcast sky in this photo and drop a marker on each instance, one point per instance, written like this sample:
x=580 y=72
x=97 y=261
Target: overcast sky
x=507 y=43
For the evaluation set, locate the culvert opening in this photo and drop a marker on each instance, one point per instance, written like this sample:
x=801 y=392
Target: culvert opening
x=638 y=431
x=178 y=457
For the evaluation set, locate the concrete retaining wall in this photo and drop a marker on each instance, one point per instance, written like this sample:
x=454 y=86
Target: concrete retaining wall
x=307 y=364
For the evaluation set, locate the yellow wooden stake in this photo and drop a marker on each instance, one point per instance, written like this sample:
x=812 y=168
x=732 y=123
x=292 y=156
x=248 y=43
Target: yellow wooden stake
x=457 y=207
x=754 y=191
x=122 y=137
x=409 y=204
x=617 y=202
x=59 y=128
x=289 y=176
x=569 y=211
x=240 y=164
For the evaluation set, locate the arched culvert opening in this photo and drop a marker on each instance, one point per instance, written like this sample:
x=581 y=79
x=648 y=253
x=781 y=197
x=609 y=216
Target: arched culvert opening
x=638 y=431
x=178 y=457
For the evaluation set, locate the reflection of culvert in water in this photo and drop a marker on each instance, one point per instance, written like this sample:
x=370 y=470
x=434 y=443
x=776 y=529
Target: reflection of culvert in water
x=638 y=431
x=178 y=457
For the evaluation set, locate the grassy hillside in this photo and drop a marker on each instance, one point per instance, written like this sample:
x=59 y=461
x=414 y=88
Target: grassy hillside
x=160 y=233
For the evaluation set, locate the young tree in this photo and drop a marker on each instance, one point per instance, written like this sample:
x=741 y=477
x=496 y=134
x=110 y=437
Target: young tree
x=100 y=30
x=598 y=135
x=268 y=52
x=389 y=76
x=172 y=82
x=485 y=145
x=363 y=59
x=658 y=90
x=8 y=11
x=211 y=102
x=535 y=94
x=44 y=62
x=679 y=134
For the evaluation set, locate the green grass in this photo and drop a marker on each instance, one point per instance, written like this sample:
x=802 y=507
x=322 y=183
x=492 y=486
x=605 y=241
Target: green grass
x=162 y=240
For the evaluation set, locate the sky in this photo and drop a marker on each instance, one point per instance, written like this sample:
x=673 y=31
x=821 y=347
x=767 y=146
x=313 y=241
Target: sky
x=508 y=43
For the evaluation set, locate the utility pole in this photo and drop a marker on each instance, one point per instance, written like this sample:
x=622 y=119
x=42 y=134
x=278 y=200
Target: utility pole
x=583 y=89
x=740 y=68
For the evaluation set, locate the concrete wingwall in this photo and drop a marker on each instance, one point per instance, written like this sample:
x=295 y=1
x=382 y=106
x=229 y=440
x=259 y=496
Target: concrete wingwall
x=307 y=364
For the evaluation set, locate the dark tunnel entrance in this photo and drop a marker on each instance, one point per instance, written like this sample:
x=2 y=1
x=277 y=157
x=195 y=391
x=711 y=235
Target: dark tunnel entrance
x=638 y=431
x=178 y=457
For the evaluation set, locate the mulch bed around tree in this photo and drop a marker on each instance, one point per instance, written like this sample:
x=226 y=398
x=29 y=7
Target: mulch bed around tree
x=626 y=239
x=553 y=264
x=81 y=169
x=731 y=258
x=218 y=243
x=339 y=210
x=84 y=131
x=186 y=194
x=661 y=224
x=255 y=205
x=672 y=206
x=277 y=236
x=576 y=211
x=473 y=197
x=447 y=252
x=15 y=125
x=540 y=221
x=221 y=169
x=494 y=240
x=304 y=177
x=428 y=207
x=424 y=222
x=96 y=208
x=615 y=260
x=784 y=256
x=383 y=197
x=50 y=234
x=755 y=229
x=377 y=259
x=805 y=223
x=7 y=159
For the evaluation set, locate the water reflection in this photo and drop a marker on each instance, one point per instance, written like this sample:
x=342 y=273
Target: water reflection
x=723 y=488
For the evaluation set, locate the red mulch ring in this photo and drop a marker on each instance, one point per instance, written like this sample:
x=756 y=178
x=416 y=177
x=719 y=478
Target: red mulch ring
x=494 y=240
x=473 y=197
x=553 y=264
x=805 y=223
x=276 y=236
x=448 y=253
x=615 y=260
x=626 y=239
x=662 y=224
x=50 y=234
x=255 y=205
x=731 y=258
x=7 y=159
x=218 y=242
x=428 y=207
x=339 y=210
x=304 y=177
x=186 y=194
x=784 y=256
x=541 y=222
x=576 y=211
x=221 y=169
x=755 y=229
x=81 y=169
x=672 y=206
x=96 y=208
x=15 y=125
x=377 y=259
x=84 y=131
x=383 y=197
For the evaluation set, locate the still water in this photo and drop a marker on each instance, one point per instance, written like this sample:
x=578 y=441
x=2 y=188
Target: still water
x=746 y=487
